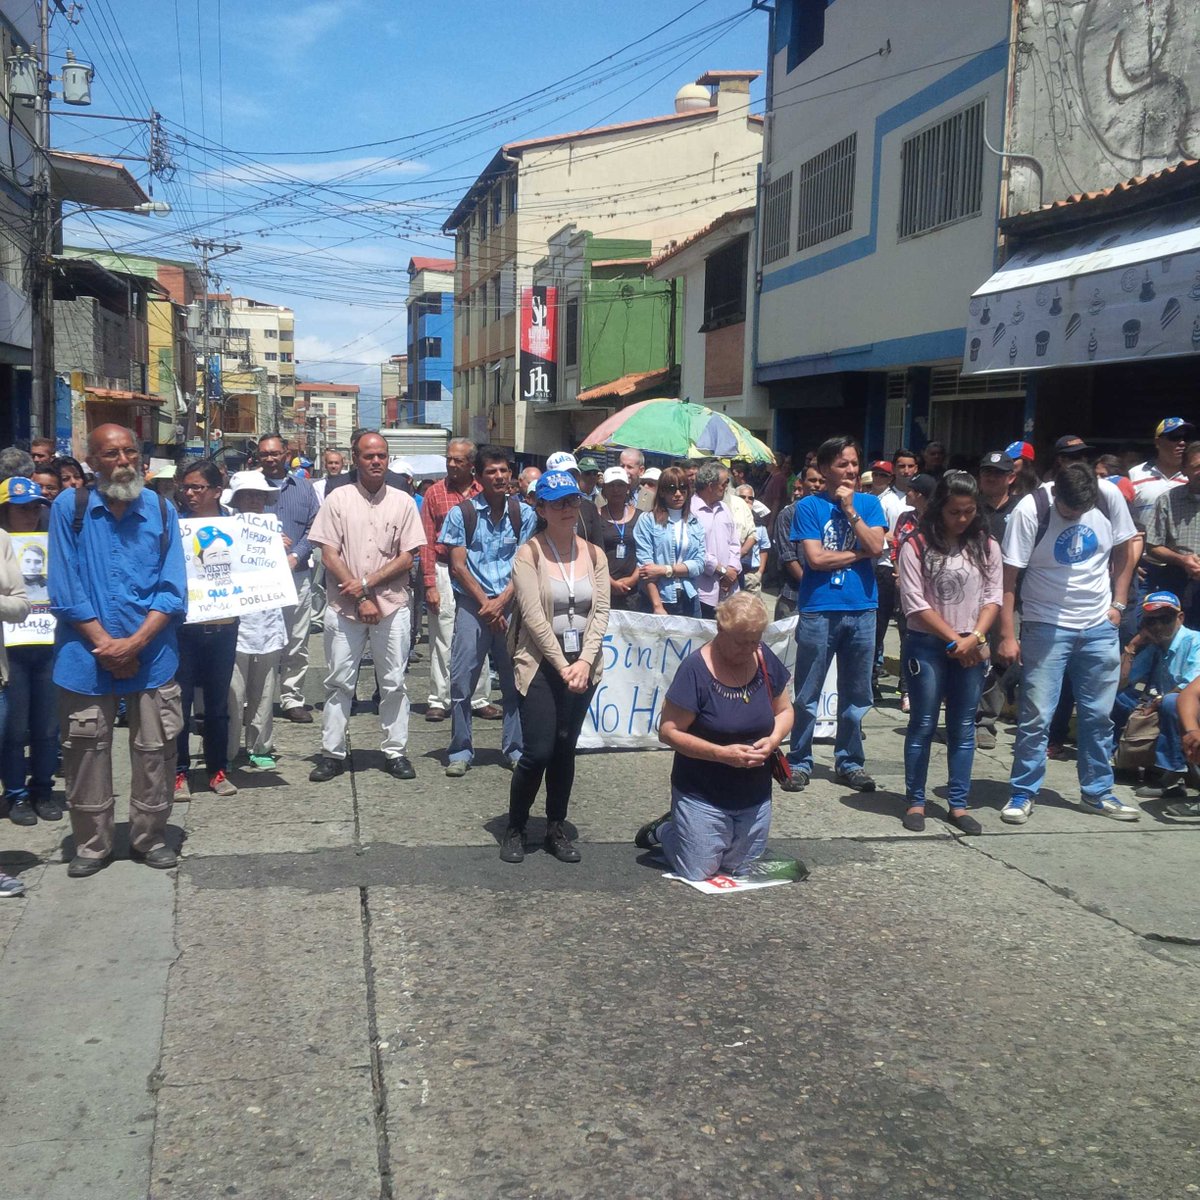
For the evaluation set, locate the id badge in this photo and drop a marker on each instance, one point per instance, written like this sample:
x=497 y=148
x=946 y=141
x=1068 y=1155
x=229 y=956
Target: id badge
x=571 y=641
x=620 y=551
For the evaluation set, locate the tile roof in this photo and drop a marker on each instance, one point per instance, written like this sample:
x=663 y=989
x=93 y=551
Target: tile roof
x=350 y=388
x=727 y=218
x=627 y=385
x=430 y=264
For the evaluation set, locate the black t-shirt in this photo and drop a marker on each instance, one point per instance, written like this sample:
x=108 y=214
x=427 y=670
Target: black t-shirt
x=997 y=518
x=620 y=534
x=726 y=717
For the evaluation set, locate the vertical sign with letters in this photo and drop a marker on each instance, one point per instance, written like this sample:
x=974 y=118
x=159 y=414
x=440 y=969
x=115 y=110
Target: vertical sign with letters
x=539 y=345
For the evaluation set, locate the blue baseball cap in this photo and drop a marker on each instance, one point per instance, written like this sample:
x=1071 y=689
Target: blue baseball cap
x=1170 y=425
x=555 y=485
x=1160 y=600
x=19 y=490
x=1016 y=450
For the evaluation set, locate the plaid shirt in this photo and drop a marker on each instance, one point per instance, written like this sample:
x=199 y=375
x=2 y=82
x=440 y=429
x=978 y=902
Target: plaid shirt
x=1174 y=521
x=439 y=500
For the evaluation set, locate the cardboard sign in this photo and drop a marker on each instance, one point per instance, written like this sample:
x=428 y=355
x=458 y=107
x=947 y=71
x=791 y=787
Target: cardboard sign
x=32 y=552
x=234 y=565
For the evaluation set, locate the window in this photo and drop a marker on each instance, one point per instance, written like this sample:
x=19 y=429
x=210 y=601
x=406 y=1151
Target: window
x=430 y=302
x=271 y=333
x=511 y=191
x=725 y=285
x=429 y=347
x=481 y=305
x=508 y=288
x=777 y=218
x=429 y=391
x=497 y=205
x=570 y=350
x=271 y=356
x=285 y=356
x=942 y=173
x=287 y=335
x=483 y=221
x=494 y=312
x=800 y=26
x=826 y=196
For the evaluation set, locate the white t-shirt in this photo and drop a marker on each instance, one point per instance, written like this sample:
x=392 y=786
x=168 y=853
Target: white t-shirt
x=892 y=506
x=1148 y=484
x=1066 y=579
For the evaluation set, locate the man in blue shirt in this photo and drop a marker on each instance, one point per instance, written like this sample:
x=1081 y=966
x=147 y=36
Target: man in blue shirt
x=841 y=532
x=118 y=589
x=481 y=573
x=1166 y=655
x=296 y=506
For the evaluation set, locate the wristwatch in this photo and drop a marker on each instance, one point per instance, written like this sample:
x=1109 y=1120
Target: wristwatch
x=1119 y=607
x=980 y=637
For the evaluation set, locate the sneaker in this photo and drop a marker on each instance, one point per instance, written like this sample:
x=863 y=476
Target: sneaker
x=458 y=768
x=47 y=808
x=1017 y=811
x=557 y=843
x=222 y=785
x=512 y=847
x=10 y=886
x=647 y=837
x=327 y=767
x=985 y=739
x=798 y=781
x=1110 y=806
x=182 y=791
x=20 y=811
x=1170 y=787
x=857 y=778
x=263 y=762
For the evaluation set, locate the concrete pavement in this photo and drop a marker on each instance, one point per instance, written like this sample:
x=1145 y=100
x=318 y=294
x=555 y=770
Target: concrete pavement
x=343 y=993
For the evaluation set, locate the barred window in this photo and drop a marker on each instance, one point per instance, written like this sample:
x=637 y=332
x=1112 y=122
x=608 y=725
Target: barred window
x=777 y=218
x=826 y=193
x=942 y=173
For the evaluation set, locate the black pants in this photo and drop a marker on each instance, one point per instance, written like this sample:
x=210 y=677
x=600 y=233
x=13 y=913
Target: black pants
x=551 y=718
x=206 y=657
x=885 y=582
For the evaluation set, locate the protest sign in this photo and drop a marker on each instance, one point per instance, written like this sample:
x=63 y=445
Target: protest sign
x=31 y=550
x=641 y=654
x=724 y=885
x=234 y=565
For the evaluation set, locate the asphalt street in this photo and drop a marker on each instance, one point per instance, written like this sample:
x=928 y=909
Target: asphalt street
x=343 y=993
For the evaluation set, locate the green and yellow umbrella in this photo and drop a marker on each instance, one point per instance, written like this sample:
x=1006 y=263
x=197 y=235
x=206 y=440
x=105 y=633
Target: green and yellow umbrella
x=678 y=428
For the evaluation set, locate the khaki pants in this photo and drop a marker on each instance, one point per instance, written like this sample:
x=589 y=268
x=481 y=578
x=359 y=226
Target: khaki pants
x=293 y=664
x=155 y=719
x=252 y=703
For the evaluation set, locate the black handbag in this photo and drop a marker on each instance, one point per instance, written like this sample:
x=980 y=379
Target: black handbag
x=781 y=769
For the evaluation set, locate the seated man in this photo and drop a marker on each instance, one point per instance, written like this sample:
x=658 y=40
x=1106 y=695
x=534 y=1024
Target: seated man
x=1165 y=655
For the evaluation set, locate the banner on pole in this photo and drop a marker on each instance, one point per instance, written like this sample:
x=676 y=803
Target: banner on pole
x=641 y=654
x=32 y=552
x=235 y=565
x=538 y=366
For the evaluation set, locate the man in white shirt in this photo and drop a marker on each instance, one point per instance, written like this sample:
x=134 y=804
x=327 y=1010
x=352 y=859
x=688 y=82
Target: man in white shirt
x=1067 y=549
x=883 y=479
x=335 y=464
x=1163 y=472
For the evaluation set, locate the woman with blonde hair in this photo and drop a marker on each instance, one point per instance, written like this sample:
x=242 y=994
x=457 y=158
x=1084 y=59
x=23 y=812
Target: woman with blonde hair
x=670 y=548
x=726 y=712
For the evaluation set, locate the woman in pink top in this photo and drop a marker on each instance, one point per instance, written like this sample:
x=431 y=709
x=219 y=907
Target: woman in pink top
x=949 y=573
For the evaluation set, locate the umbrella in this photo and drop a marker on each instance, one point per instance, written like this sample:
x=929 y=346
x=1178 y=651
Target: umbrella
x=678 y=428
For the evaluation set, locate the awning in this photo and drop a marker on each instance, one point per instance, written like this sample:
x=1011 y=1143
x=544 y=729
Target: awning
x=1115 y=292
x=119 y=396
x=626 y=386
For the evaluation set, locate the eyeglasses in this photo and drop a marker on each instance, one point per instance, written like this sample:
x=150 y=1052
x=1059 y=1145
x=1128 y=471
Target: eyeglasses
x=565 y=502
x=197 y=487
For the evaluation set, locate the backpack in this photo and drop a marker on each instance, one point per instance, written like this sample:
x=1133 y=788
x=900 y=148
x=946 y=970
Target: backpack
x=81 y=502
x=470 y=518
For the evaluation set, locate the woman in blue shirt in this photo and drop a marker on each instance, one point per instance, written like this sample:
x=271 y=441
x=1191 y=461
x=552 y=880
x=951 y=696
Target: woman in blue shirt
x=670 y=548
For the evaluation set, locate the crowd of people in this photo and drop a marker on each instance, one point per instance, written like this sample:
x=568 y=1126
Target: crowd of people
x=1073 y=588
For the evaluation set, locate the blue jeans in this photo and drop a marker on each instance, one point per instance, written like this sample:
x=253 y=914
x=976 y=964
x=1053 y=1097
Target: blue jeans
x=1168 y=750
x=820 y=637
x=472 y=643
x=934 y=677
x=1091 y=659
x=701 y=840
x=206 y=657
x=32 y=721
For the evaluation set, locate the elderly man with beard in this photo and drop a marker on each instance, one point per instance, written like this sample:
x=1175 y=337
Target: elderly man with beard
x=119 y=590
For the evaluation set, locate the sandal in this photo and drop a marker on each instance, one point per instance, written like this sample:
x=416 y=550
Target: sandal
x=964 y=822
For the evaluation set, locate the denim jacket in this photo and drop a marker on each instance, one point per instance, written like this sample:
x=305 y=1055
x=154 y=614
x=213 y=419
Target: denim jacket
x=656 y=544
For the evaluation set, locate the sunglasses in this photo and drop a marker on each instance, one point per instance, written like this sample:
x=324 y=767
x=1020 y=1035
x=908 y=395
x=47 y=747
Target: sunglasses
x=1160 y=618
x=671 y=489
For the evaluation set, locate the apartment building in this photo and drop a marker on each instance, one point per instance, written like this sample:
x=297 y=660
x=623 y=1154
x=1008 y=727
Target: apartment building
x=250 y=335
x=657 y=179
x=431 y=341
x=326 y=415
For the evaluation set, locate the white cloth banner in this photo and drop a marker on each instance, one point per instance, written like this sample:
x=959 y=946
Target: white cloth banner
x=234 y=565
x=32 y=553
x=641 y=654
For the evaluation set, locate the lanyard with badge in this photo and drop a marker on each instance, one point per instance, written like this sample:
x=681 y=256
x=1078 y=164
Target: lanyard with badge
x=619 y=553
x=571 y=642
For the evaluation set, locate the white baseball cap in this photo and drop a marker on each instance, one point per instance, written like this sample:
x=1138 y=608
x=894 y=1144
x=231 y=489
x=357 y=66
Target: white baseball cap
x=401 y=466
x=652 y=474
x=248 y=481
x=563 y=460
x=616 y=475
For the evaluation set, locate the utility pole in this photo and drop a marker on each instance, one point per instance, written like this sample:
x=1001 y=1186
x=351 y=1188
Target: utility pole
x=208 y=252
x=41 y=289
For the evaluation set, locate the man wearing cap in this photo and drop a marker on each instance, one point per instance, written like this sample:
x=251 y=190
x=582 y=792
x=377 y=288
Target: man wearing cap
x=481 y=561
x=1072 y=542
x=368 y=534
x=648 y=492
x=1173 y=533
x=589 y=477
x=1164 y=471
x=119 y=591
x=296 y=506
x=1166 y=655
x=589 y=526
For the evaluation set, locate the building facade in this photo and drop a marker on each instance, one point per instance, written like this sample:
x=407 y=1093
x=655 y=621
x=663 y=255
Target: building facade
x=655 y=180
x=326 y=415
x=256 y=339
x=431 y=341
x=393 y=387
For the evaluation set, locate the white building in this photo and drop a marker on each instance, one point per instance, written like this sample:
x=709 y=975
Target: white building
x=254 y=336
x=658 y=179
x=326 y=416
x=877 y=219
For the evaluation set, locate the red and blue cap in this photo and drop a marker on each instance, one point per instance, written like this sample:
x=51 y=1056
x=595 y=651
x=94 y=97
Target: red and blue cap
x=1157 y=601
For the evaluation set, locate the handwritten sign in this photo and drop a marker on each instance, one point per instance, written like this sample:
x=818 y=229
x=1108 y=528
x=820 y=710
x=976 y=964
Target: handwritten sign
x=235 y=565
x=32 y=553
x=641 y=654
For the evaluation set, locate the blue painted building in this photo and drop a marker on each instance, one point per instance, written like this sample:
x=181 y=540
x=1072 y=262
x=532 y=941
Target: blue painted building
x=878 y=218
x=430 y=343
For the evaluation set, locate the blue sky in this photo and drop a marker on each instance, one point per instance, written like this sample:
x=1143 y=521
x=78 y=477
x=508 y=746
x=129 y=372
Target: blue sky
x=269 y=107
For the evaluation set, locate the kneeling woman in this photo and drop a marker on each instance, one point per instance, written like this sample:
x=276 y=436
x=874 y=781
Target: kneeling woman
x=561 y=590
x=726 y=711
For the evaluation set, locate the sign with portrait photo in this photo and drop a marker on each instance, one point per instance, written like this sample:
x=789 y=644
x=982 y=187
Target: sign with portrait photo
x=32 y=553
x=234 y=565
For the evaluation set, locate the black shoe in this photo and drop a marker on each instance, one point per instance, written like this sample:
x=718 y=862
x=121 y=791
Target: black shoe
x=400 y=768
x=20 y=812
x=558 y=844
x=914 y=822
x=326 y=769
x=798 y=781
x=161 y=858
x=647 y=838
x=858 y=779
x=81 y=868
x=964 y=822
x=512 y=848
x=47 y=808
